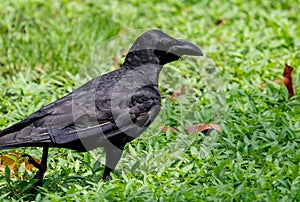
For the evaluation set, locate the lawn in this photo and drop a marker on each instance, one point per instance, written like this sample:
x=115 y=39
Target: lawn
x=48 y=48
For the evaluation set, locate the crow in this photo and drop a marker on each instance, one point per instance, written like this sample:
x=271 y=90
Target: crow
x=108 y=111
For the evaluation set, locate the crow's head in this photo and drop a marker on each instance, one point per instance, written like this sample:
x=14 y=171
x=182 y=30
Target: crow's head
x=155 y=46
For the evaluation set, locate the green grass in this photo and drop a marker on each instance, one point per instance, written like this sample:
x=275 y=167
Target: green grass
x=46 y=49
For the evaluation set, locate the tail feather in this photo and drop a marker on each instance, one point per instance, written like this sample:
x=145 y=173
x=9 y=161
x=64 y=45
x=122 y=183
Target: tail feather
x=27 y=136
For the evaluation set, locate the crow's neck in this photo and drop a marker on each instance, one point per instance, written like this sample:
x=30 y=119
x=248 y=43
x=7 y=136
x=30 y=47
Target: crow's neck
x=144 y=64
x=134 y=59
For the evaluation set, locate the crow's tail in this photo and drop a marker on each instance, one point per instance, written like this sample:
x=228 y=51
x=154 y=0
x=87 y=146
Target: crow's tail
x=27 y=136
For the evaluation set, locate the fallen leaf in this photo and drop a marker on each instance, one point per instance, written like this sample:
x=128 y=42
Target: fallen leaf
x=13 y=160
x=165 y=128
x=221 y=22
x=288 y=80
x=202 y=127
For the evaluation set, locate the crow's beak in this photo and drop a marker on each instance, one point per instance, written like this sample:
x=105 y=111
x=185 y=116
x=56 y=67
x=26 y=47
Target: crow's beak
x=185 y=48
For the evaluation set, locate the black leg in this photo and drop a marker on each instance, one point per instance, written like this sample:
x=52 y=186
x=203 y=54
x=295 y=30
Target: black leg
x=42 y=168
x=113 y=155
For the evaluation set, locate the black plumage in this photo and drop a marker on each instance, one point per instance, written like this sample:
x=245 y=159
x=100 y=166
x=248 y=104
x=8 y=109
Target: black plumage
x=108 y=111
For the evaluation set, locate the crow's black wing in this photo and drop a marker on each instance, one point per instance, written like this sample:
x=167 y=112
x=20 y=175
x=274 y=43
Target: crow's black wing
x=85 y=116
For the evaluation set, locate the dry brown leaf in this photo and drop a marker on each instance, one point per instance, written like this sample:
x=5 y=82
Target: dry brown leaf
x=13 y=160
x=288 y=80
x=165 y=128
x=202 y=127
x=221 y=22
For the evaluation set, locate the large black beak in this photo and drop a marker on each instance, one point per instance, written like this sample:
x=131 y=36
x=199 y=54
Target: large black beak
x=185 y=48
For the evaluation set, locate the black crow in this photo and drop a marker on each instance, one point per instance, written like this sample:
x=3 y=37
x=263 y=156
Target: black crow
x=108 y=111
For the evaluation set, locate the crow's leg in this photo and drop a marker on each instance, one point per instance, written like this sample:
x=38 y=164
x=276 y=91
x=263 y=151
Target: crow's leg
x=42 y=166
x=40 y=174
x=113 y=155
